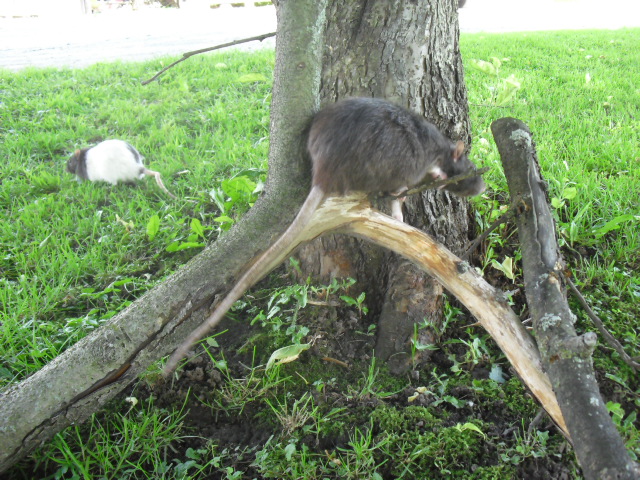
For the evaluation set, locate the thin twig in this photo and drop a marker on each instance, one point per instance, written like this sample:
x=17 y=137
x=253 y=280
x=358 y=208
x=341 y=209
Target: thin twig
x=610 y=339
x=442 y=183
x=186 y=55
x=485 y=105
x=502 y=219
x=430 y=184
x=533 y=426
x=336 y=361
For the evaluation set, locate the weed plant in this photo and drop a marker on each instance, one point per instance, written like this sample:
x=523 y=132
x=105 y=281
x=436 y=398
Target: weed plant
x=74 y=254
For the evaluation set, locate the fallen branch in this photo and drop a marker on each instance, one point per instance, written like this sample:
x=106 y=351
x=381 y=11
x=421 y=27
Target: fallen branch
x=487 y=304
x=91 y=372
x=186 y=55
x=565 y=355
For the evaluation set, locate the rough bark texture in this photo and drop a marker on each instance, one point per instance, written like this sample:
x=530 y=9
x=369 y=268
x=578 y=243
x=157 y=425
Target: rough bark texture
x=566 y=356
x=407 y=52
x=85 y=377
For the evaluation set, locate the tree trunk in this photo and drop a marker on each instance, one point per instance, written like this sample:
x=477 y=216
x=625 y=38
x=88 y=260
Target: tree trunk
x=407 y=52
x=82 y=379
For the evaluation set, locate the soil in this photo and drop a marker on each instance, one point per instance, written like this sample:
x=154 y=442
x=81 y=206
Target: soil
x=340 y=339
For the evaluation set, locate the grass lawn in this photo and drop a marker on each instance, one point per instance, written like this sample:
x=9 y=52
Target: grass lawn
x=74 y=254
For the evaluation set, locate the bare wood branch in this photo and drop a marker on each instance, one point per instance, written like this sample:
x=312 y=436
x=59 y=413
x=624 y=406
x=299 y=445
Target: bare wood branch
x=258 y=38
x=487 y=304
x=354 y=215
x=565 y=355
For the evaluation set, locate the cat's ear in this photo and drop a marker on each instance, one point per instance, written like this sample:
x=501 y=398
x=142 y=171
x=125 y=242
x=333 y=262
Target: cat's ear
x=458 y=150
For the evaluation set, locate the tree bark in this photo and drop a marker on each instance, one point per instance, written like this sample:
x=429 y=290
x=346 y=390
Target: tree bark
x=566 y=357
x=83 y=378
x=407 y=52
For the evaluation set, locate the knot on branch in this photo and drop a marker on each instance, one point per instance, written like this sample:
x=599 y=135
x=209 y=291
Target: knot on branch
x=548 y=321
x=556 y=276
x=463 y=267
x=521 y=138
x=522 y=204
x=580 y=346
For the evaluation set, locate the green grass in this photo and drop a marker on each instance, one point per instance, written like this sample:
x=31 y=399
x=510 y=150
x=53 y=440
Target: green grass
x=74 y=254
x=134 y=443
x=587 y=132
x=198 y=126
x=580 y=95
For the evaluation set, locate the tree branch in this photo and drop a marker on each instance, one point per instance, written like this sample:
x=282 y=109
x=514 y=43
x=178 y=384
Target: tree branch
x=83 y=378
x=354 y=215
x=565 y=355
x=186 y=55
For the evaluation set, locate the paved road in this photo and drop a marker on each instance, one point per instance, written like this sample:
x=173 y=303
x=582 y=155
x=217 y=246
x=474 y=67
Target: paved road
x=78 y=41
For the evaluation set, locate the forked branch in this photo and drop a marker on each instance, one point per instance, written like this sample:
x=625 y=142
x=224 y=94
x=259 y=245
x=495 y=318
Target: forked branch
x=354 y=215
